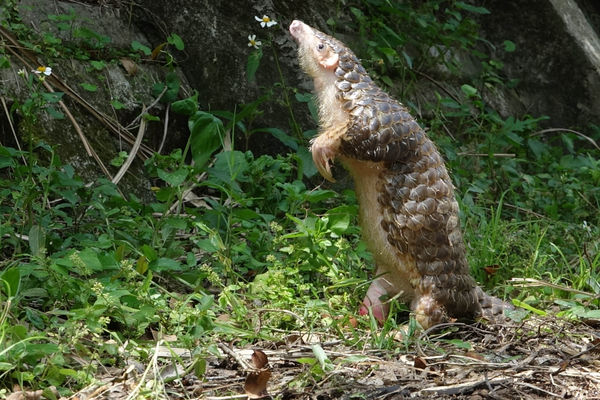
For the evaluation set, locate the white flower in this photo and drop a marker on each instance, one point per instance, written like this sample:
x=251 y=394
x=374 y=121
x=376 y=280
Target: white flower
x=22 y=72
x=43 y=70
x=265 y=21
x=252 y=42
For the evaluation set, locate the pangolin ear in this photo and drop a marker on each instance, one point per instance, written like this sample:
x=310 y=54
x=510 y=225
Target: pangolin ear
x=331 y=61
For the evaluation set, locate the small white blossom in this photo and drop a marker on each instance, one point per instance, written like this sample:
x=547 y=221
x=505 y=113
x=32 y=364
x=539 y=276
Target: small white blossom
x=252 y=42
x=43 y=70
x=265 y=21
x=22 y=72
x=587 y=227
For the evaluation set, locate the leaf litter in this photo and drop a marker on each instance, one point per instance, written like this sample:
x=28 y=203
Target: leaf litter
x=538 y=358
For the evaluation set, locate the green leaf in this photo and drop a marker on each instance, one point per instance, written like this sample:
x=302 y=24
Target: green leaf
x=593 y=314
x=176 y=40
x=174 y=178
x=11 y=281
x=470 y=8
x=526 y=306
x=37 y=240
x=206 y=136
x=252 y=64
x=149 y=252
x=90 y=259
x=308 y=166
x=339 y=223
x=281 y=136
x=4 y=62
x=89 y=87
x=321 y=357
x=117 y=105
x=186 y=106
x=468 y=90
x=538 y=148
x=408 y=59
x=137 y=46
x=52 y=97
x=98 y=65
x=166 y=264
x=509 y=46
x=54 y=113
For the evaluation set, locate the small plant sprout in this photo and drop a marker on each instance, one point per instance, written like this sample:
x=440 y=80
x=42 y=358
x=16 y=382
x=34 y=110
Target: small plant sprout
x=252 y=42
x=265 y=21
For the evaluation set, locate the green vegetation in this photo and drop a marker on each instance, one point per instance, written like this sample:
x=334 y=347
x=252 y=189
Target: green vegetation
x=240 y=246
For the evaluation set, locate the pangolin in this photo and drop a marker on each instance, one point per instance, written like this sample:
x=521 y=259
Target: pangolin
x=408 y=212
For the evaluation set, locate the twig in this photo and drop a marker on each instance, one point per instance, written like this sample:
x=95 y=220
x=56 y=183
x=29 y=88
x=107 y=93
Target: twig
x=530 y=282
x=145 y=109
x=241 y=362
x=12 y=128
x=165 y=129
x=486 y=154
x=556 y=130
x=132 y=153
x=525 y=210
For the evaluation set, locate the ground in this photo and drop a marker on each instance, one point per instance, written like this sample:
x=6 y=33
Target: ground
x=538 y=358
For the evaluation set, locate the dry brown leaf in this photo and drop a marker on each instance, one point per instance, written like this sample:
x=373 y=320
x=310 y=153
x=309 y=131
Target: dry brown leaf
x=256 y=384
x=259 y=359
x=157 y=50
x=420 y=363
x=129 y=65
x=474 y=355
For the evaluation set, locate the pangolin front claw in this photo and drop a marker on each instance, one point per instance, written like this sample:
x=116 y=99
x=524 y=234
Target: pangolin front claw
x=321 y=157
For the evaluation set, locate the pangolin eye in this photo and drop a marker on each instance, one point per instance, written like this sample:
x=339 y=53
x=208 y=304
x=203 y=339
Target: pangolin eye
x=321 y=46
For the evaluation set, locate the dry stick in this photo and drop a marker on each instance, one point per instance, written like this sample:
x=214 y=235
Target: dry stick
x=242 y=363
x=555 y=130
x=165 y=129
x=132 y=153
x=530 y=282
x=12 y=128
x=509 y=155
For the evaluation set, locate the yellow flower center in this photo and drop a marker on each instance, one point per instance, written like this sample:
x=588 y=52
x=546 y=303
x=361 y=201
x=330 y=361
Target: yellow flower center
x=266 y=19
x=41 y=69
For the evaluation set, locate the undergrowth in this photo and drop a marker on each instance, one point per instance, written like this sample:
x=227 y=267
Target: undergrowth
x=244 y=247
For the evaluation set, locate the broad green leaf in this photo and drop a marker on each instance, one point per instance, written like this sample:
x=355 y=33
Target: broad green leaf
x=174 y=178
x=252 y=64
x=468 y=90
x=206 y=136
x=135 y=45
x=10 y=281
x=509 y=46
x=471 y=8
x=37 y=240
x=186 y=106
x=176 y=40
x=281 y=136
x=89 y=87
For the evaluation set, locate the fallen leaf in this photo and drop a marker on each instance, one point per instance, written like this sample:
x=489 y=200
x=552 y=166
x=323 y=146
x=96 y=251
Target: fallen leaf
x=256 y=384
x=259 y=359
x=157 y=50
x=491 y=269
x=474 y=355
x=129 y=65
x=420 y=363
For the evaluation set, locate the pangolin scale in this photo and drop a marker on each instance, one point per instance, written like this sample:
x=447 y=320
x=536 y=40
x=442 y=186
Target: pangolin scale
x=408 y=211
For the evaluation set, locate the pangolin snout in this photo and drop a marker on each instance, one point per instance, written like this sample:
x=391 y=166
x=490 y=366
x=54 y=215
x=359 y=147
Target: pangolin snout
x=296 y=29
